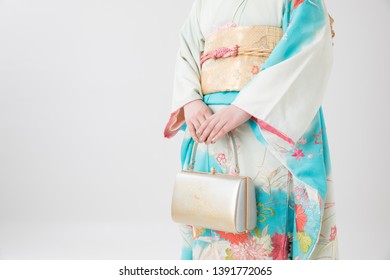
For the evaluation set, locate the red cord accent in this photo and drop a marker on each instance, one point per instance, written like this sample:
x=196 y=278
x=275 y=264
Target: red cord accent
x=219 y=53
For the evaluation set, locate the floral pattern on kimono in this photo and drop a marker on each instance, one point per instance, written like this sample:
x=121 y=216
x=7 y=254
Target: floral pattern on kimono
x=284 y=99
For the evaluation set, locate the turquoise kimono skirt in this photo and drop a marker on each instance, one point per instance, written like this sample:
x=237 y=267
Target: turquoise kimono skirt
x=292 y=220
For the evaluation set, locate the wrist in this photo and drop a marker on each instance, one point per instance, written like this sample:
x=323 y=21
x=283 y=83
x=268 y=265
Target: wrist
x=192 y=102
x=242 y=111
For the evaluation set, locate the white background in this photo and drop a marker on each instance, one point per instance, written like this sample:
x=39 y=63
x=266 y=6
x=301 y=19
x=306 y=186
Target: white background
x=85 y=93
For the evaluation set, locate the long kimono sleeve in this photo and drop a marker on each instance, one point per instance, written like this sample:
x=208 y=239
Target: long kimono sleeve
x=186 y=87
x=284 y=97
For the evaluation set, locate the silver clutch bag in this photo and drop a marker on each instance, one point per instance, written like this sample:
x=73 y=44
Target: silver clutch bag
x=218 y=201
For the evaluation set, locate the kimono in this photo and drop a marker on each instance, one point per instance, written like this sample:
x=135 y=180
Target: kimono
x=283 y=147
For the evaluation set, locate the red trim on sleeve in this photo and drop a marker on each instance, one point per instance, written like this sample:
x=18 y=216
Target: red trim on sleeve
x=175 y=122
x=270 y=128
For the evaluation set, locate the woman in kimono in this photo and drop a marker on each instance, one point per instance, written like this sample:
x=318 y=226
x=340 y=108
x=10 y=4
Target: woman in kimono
x=276 y=119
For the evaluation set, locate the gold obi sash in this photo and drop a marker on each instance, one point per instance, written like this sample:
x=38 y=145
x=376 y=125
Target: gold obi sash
x=232 y=56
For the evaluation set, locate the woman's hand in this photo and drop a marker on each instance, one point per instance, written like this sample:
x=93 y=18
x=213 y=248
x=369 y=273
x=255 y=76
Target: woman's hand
x=221 y=122
x=195 y=113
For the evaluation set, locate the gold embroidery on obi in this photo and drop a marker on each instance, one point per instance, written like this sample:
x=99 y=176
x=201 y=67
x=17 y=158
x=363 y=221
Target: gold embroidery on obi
x=232 y=56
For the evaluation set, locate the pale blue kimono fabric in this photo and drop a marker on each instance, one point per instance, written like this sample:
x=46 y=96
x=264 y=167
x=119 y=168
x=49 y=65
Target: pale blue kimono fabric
x=310 y=172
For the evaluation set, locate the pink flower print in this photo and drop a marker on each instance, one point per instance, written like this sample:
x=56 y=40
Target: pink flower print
x=319 y=199
x=297 y=3
x=301 y=194
x=255 y=69
x=302 y=140
x=298 y=154
x=221 y=158
x=310 y=155
x=281 y=247
x=251 y=249
x=233 y=170
x=333 y=233
x=318 y=137
x=232 y=237
x=300 y=217
x=282 y=151
x=227 y=25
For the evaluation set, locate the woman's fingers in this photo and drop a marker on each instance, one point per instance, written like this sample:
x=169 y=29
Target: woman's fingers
x=207 y=124
x=218 y=131
x=196 y=123
x=199 y=121
x=208 y=113
x=219 y=136
x=212 y=126
x=209 y=131
x=192 y=131
x=194 y=112
x=202 y=117
x=204 y=124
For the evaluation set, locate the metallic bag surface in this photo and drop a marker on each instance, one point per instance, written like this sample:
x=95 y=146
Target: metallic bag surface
x=218 y=201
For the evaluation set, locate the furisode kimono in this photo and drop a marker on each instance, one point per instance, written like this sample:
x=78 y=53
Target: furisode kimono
x=283 y=146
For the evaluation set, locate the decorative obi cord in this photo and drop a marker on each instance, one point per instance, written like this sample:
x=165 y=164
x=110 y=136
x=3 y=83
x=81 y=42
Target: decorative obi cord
x=233 y=55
